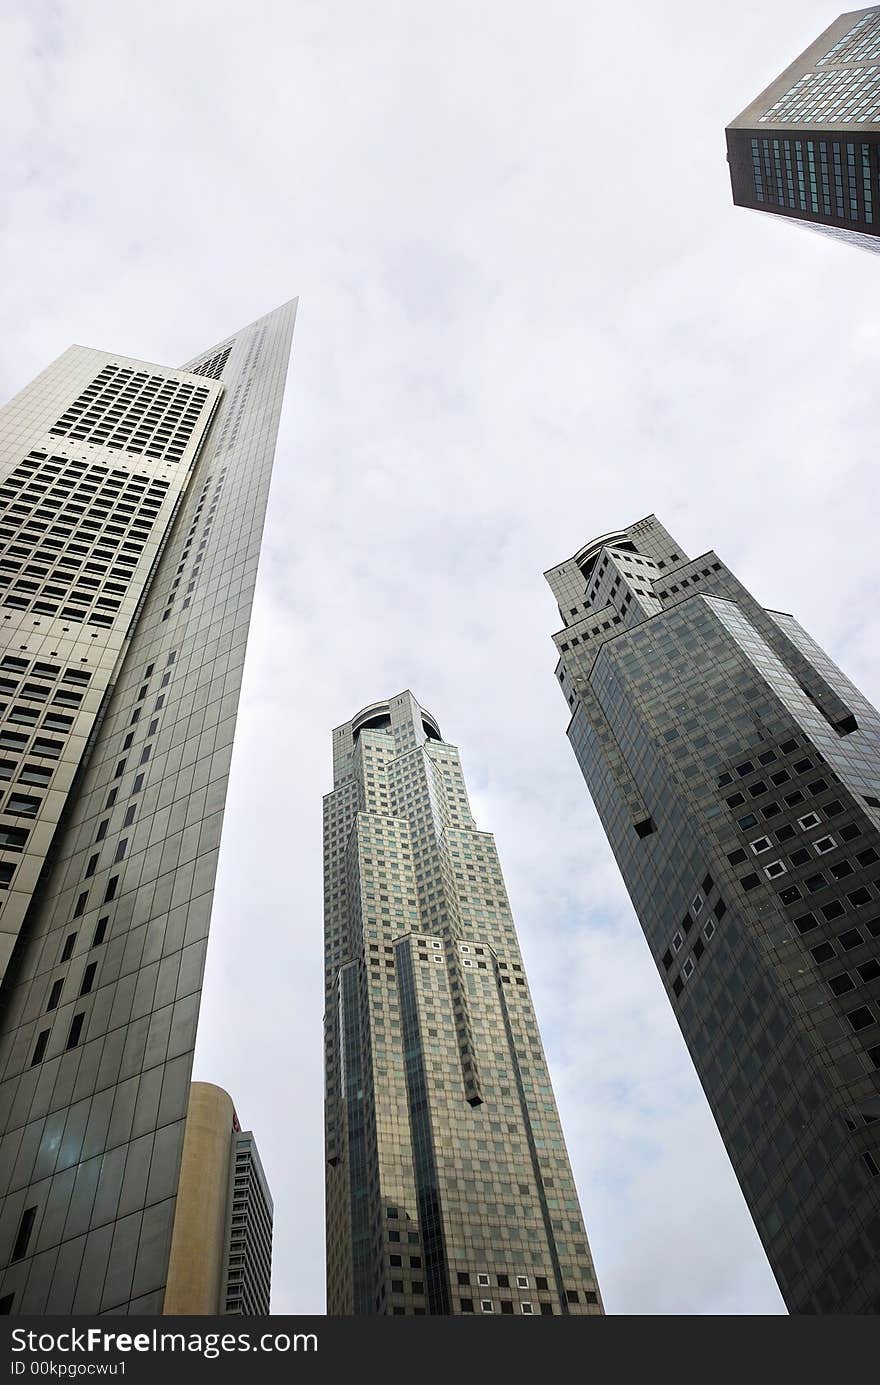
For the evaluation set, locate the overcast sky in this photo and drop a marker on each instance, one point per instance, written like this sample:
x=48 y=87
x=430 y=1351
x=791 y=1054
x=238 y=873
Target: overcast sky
x=529 y=314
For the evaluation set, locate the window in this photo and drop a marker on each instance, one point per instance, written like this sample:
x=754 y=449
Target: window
x=860 y=1018
x=466 y=1305
x=526 y=1309
x=55 y=994
x=688 y=967
x=850 y=939
x=709 y=929
x=774 y=869
x=486 y=1305
x=23 y=805
x=88 y=978
x=100 y=931
x=859 y=897
x=110 y=893
x=483 y=1280
x=677 y=941
x=22 y=1240
x=67 y=950
x=822 y=952
x=823 y=845
x=841 y=983
x=522 y=1281
x=807 y=821
x=76 y=1025
x=40 y=1047
x=834 y=910
x=761 y=844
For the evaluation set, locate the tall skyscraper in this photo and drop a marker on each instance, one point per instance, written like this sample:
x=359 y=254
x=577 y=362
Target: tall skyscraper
x=736 y=772
x=221 y=1247
x=132 y=499
x=448 y=1184
x=809 y=146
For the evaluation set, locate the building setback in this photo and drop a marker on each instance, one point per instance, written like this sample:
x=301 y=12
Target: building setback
x=736 y=773
x=449 y=1189
x=221 y=1246
x=132 y=499
x=809 y=146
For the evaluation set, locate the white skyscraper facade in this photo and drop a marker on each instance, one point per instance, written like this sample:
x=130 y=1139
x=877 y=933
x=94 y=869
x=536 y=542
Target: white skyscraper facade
x=132 y=501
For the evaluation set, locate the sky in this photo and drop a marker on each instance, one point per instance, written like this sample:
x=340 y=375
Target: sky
x=529 y=314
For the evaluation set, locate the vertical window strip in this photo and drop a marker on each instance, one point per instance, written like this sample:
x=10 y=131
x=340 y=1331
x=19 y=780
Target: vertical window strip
x=838 y=179
x=802 y=188
x=756 y=166
x=777 y=169
x=826 y=185
x=867 y=189
x=851 y=181
x=789 y=173
x=811 y=173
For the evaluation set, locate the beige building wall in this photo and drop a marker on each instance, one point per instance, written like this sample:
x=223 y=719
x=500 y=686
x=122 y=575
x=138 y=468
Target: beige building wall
x=198 y=1245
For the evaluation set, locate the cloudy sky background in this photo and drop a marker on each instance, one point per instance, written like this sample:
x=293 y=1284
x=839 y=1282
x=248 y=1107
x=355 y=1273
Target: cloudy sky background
x=529 y=314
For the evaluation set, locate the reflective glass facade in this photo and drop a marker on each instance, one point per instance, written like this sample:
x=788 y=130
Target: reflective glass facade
x=809 y=146
x=736 y=773
x=449 y=1189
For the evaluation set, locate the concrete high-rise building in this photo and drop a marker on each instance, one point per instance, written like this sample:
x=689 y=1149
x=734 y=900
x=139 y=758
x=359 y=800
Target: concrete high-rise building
x=221 y=1247
x=132 y=499
x=736 y=772
x=448 y=1183
x=809 y=146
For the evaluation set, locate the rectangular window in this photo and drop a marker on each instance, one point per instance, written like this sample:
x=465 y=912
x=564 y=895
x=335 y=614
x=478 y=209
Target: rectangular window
x=100 y=931
x=76 y=1025
x=40 y=1047
x=22 y=1240
x=67 y=950
x=88 y=978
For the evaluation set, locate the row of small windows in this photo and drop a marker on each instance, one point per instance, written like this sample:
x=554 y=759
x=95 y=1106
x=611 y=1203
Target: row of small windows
x=89 y=551
x=149 y=414
x=838 y=183
x=833 y=96
x=859 y=43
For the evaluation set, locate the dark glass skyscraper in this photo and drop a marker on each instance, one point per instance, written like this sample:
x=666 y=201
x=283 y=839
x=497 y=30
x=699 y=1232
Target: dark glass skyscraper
x=736 y=772
x=132 y=499
x=449 y=1189
x=809 y=146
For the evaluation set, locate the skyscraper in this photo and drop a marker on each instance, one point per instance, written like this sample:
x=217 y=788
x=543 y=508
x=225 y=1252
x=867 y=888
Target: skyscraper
x=448 y=1184
x=132 y=499
x=809 y=146
x=221 y=1246
x=736 y=772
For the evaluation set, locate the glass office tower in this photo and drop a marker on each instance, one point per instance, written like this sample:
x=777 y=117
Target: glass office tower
x=449 y=1189
x=809 y=146
x=736 y=772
